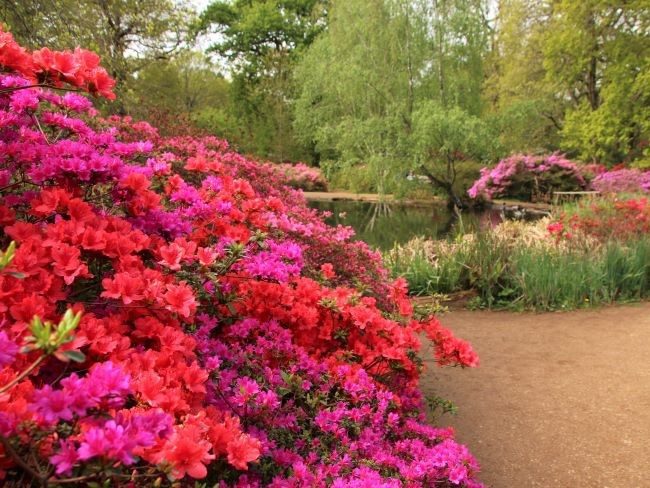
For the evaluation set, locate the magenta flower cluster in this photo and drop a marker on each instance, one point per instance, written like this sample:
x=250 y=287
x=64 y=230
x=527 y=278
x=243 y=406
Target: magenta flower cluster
x=279 y=261
x=104 y=382
x=301 y=176
x=622 y=181
x=500 y=180
x=105 y=387
x=300 y=408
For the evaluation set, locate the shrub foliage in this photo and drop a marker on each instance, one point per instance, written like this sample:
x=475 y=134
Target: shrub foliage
x=172 y=311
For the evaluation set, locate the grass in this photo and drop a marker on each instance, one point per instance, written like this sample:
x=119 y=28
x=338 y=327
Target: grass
x=531 y=278
x=426 y=279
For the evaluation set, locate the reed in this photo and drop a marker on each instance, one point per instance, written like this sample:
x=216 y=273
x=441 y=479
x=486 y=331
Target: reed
x=531 y=277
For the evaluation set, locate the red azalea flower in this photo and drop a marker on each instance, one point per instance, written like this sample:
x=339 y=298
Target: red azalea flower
x=65 y=64
x=171 y=256
x=88 y=60
x=194 y=378
x=243 y=450
x=48 y=201
x=221 y=434
x=101 y=83
x=124 y=286
x=67 y=263
x=31 y=305
x=328 y=271
x=188 y=456
x=180 y=299
x=94 y=240
x=43 y=58
x=206 y=256
x=135 y=181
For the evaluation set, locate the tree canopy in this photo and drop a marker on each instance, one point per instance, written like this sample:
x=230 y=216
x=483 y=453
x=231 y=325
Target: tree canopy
x=339 y=83
x=259 y=41
x=377 y=65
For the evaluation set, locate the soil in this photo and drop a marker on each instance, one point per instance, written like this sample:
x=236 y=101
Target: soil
x=329 y=196
x=559 y=400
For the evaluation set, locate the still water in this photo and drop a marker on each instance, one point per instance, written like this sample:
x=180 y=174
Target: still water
x=383 y=225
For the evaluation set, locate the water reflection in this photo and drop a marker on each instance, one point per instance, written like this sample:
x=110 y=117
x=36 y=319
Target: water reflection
x=383 y=224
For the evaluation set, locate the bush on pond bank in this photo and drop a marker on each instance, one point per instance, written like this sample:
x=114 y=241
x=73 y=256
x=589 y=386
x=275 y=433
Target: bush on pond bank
x=529 y=178
x=300 y=176
x=536 y=178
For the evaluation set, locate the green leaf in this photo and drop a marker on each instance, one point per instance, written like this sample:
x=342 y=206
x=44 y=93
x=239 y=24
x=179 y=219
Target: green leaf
x=7 y=256
x=286 y=377
x=76 y=356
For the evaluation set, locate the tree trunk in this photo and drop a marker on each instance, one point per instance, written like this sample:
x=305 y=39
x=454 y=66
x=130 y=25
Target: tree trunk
x=453 y=200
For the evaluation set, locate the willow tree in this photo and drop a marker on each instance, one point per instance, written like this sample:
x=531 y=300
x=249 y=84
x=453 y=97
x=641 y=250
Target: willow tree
x=379 y=61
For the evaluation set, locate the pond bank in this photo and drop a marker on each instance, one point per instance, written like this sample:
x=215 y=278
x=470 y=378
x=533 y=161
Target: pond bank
x=333 y=196
x=322 y=196
x=560 y=399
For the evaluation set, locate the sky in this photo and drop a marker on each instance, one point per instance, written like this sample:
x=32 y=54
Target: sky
x=200 y=4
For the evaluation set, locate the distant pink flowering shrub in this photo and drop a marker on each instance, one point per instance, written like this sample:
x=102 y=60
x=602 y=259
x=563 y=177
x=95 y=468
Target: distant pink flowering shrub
x=301 y=176
x=531 y=178
x=622 y=181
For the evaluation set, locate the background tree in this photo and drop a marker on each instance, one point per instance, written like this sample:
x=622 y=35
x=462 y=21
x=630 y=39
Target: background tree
x=259 y=41
x=573 y=76
x=521 y=100
x=457 y=37
x=340 y=81
x=597 y=54
x=188 y=87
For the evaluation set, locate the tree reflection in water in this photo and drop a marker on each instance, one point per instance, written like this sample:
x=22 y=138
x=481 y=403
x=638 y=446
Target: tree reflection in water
x=384 y=224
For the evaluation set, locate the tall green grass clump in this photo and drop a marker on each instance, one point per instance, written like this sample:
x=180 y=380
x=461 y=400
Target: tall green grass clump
x=446 y=275
x=554 y=281
x=536 y=275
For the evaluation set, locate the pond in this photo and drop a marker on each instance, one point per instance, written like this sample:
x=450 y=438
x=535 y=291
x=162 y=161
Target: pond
x=382 y=225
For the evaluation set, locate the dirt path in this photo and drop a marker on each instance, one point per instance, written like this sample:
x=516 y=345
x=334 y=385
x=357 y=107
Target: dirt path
x=560 y=399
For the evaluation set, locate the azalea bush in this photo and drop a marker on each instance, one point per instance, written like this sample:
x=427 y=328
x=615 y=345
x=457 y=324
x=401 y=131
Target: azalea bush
x=605 y=219
x=622 y=181
x=534 y=178
x=301 y=176
x=172 y=311
x=530 y=178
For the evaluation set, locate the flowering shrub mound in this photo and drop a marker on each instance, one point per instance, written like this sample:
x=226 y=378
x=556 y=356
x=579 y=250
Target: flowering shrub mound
x=529 y=178
x=172 y=311
x=301 y=176
x=605 y=219
x=622 y=181
x=533 y=178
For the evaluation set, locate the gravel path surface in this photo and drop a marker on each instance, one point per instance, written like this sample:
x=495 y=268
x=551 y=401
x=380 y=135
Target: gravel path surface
x=559 y=400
